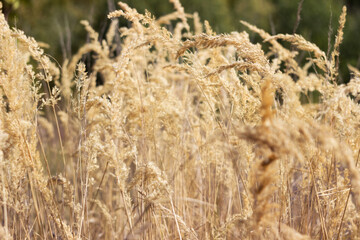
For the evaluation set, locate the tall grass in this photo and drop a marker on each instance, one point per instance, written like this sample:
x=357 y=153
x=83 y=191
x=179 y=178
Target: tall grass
x=190 y=135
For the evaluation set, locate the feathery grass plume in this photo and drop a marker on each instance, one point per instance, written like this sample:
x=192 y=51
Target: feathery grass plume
x=302 y=44
x=111 y=33
x=197 y=24
x=267 y=99
x=338 y=40
x=180 y=10
x=152 y=182
x=282 y=53
x=19 y=116
x=252 y=53
x=174 y=135
x=354 y=70
x=172 y=16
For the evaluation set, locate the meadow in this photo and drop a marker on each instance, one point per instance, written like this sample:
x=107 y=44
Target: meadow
x=178 y=133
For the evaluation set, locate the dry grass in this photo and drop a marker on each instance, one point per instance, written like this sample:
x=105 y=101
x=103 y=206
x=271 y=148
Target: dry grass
x=190 y=136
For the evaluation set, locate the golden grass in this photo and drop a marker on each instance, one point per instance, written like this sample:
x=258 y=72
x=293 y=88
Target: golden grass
x=190 y=136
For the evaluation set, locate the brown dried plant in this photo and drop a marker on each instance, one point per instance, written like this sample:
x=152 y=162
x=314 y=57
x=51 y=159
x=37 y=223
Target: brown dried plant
x=190 y=135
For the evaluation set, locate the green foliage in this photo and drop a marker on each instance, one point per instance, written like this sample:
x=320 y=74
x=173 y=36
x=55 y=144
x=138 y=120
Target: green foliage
x=257 y=12
x=57 y=22
x=316 y=16
x=15 y=3
x=215 y=11
x=350 y=46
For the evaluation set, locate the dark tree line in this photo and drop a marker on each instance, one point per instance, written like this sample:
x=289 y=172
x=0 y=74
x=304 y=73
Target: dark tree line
x=57 y=21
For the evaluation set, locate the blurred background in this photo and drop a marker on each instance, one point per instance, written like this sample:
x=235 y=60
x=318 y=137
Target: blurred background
x=56 y=22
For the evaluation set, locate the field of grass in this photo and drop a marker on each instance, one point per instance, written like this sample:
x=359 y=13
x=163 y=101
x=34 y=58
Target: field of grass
x=181 y=134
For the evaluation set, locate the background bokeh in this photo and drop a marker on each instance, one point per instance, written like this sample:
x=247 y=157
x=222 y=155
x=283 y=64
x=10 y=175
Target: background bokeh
x=56 y=22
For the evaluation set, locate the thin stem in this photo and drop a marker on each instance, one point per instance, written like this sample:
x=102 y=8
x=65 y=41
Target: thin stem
x=346 y=203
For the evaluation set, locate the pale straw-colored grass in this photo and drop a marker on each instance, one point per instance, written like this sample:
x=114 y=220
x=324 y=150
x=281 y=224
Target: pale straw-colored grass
x=191 y=135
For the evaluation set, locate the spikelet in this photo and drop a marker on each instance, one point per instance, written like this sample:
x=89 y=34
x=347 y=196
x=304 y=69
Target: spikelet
x=302 y=44
x=181 y=13
x=338 y=40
